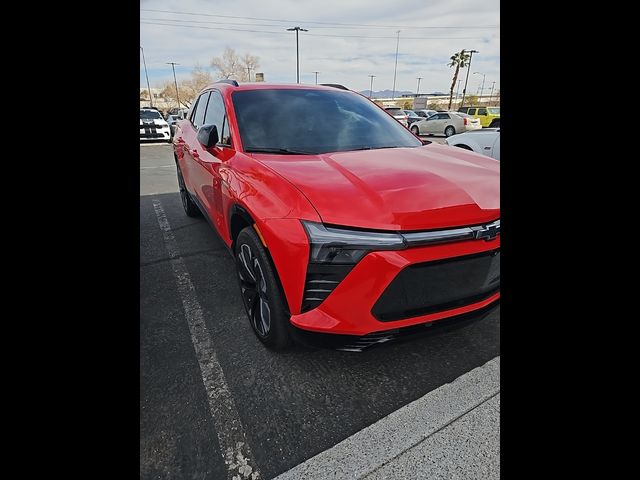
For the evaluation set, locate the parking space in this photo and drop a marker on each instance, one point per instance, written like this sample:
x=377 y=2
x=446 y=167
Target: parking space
x=198 y=354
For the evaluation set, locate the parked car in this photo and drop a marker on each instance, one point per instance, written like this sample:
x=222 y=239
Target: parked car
x=488 y=116
x=172 y=120
x=447 y=123
x=412 y=117
x=181 y=112
x=339 y=219
x=485 y=141
x=153 y=126
x=399 y=114
x=425 y=113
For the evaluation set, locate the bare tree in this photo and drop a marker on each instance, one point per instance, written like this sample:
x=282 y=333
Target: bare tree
x=231 y=65
x=188 y=89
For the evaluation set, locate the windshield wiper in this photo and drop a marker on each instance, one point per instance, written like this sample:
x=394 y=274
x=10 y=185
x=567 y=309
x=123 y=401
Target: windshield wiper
x=283 y=151
x=373 y=148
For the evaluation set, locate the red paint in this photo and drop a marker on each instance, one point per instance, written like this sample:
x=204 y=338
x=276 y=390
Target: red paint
x=429 y=187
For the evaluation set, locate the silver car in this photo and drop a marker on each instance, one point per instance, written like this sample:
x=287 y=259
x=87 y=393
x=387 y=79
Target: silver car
x=446 y=123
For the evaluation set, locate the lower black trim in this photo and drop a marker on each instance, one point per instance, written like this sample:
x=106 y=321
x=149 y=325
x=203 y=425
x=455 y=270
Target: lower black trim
x=359 y=343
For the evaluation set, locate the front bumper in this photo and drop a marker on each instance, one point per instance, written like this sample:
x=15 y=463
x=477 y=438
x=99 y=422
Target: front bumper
x=348 y=309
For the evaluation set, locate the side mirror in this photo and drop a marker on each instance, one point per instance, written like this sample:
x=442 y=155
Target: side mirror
x=208 y=135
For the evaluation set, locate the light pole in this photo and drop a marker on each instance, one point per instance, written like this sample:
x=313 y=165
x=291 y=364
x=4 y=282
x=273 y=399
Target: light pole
x=458 y=89
x=249 y=72
x=464 y=90
x=491 y=96
x=173 y=66
x=316 y=77
x=395 y=68
x=418 y=89
x=297 y=29
x=481 y=88
x=146 y=75
x=371 y=87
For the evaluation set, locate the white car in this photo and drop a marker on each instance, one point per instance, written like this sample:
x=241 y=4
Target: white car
x=153 y=126
x=485 y=141
x=445 y=123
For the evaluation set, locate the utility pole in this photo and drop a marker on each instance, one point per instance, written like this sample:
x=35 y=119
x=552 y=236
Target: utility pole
x=464 y=90
x=173 y=66
x=396 y=67
x=297 y=29
x=316 y=77
x=491 y=96
x=249 y=72
x=418 y=89
x=371 y=87
x=146 y=75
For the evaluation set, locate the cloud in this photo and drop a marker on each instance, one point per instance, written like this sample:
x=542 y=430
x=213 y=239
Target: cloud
x=422 y=52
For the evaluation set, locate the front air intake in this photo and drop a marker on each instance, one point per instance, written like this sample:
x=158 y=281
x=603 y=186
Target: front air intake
x=322 y=279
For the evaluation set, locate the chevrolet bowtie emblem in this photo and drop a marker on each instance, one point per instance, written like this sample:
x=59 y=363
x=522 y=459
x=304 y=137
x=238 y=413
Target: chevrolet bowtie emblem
x=487 y=232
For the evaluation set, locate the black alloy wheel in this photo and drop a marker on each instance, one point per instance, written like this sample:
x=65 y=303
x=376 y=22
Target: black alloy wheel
x=260 y=290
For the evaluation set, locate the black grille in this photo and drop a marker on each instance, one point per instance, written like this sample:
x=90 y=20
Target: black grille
x=430 y=287
x=321 y=280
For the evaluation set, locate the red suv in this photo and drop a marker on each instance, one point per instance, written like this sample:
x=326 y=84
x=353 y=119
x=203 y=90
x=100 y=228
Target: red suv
x=340 y=220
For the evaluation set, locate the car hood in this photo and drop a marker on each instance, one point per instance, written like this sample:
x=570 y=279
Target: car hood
x=153 y=121
x=428 y=187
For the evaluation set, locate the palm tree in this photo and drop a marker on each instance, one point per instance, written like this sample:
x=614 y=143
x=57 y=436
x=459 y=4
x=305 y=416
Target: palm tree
x=458 y=60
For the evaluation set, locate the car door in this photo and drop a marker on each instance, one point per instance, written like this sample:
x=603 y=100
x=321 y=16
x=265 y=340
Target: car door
x=495 y=152
x=186 y=143
x=483 y=116
x=432 y=124
x=209 y=163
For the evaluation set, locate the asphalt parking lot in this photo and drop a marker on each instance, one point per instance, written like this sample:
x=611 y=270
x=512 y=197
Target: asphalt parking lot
x=289 y=406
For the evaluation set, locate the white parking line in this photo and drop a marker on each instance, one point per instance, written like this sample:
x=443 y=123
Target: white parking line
x=161 y=166
x=231 y=437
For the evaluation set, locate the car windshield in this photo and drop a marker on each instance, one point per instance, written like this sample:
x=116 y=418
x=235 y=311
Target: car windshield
x=494 y=110
x=310 y=121
x=149 y=114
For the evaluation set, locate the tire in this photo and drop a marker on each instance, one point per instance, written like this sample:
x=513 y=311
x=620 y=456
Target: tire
x=260 y=291
x=495 y=123
x=449 y=131
x=415 y=130
x=190 y=208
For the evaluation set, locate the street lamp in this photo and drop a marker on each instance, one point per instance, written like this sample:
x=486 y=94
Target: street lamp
x=297 y=29
x=371 y=87
x=481 y=88
x=316 y=77
x=173 y=66
x=395 y=68
x=464 y=90
x=418 y=89
x=146 y=75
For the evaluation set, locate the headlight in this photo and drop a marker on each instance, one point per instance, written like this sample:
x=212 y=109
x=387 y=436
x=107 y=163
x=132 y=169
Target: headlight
x=338 y=246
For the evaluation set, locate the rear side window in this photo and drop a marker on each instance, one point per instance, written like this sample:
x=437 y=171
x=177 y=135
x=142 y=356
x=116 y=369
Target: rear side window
x=482 y=111
x=198 y=117
x=443 y=116
x=471 y=111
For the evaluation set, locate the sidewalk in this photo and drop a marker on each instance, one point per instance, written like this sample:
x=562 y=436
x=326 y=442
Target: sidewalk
x=451 y=432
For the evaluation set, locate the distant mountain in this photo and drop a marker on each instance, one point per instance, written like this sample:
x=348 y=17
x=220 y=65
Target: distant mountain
x=386 y=93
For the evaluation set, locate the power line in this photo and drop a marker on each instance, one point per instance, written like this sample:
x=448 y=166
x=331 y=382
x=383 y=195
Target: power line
x=309 y=34
x=306 y=21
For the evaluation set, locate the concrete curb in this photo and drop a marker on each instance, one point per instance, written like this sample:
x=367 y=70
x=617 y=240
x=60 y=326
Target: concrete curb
x=375 y=446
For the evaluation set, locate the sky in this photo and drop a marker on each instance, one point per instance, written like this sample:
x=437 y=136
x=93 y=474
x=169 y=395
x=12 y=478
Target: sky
x=337 y=51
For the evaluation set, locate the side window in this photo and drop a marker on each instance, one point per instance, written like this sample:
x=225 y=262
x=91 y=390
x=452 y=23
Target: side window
x=444 y=116
x=482 y=111
x=471 y=111
x=198 y=117
x=215 y=112
x=226 y=134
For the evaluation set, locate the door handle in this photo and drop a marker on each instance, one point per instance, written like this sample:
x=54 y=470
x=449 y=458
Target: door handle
x=194 y=154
